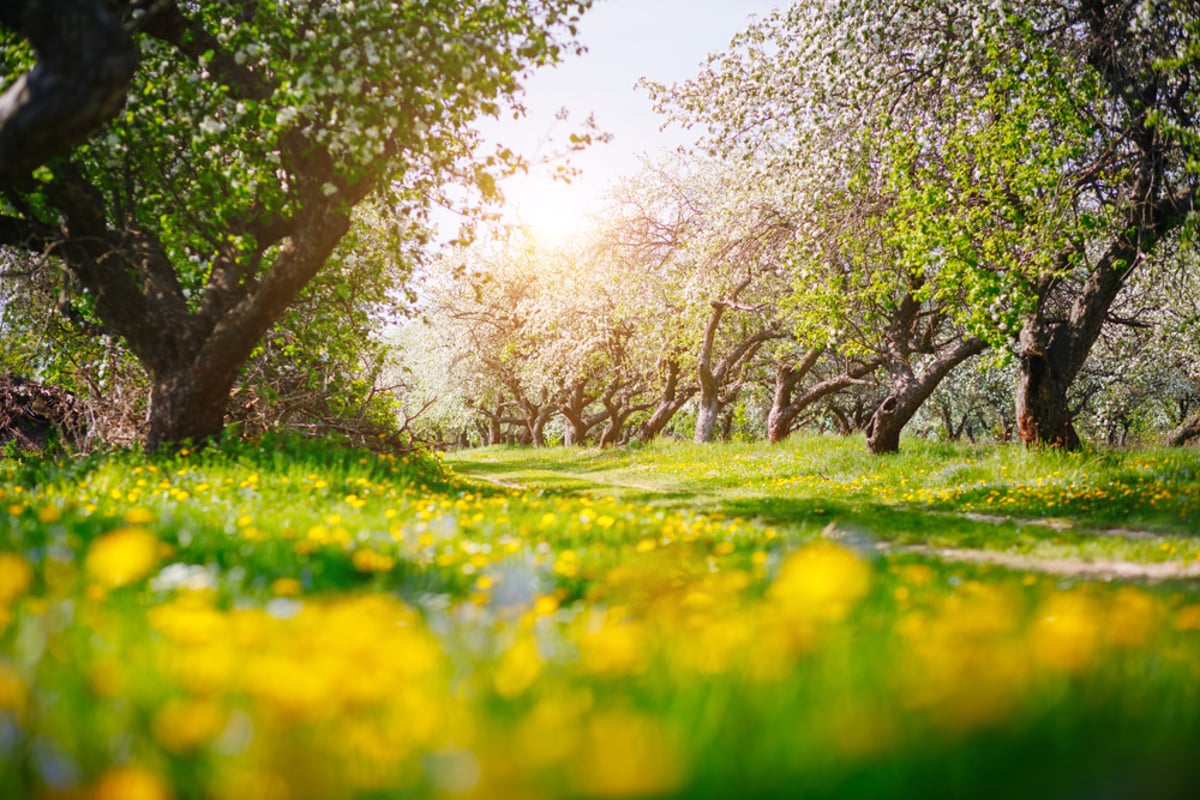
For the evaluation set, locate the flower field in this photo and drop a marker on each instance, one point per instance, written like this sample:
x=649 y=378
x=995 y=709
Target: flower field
x=299 y=621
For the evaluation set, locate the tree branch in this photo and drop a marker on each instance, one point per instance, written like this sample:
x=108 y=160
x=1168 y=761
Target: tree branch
x=86 y=61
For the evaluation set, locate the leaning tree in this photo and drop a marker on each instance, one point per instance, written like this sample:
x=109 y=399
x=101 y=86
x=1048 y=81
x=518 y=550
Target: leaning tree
x=193 y=166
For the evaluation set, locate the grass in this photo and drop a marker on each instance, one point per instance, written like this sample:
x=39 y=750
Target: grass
x=1000 y=498
x=296 y=620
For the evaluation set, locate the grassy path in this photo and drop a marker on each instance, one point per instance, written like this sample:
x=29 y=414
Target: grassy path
x=1123 y=515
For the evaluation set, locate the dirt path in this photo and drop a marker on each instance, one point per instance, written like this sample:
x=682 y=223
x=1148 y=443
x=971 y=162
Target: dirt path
x=1124 y=570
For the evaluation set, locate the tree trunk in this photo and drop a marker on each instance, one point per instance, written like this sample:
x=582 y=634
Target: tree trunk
x=612 y=433
x=673 y=398
x=1043 y=416
x=187 y=405
x=785 y=408
x=781 y=416
x=883 y=431
x=909 y=392
x=706 y=417
x=727 y=426
x=86 y=61
x=1054 y=351
x=1185 y=432
x=579 y=423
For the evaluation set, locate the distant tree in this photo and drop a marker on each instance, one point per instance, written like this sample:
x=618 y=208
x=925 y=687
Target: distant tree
x=714 y=246
x=249 y=133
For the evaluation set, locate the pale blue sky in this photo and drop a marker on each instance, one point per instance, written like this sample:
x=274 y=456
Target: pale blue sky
x=664 y=40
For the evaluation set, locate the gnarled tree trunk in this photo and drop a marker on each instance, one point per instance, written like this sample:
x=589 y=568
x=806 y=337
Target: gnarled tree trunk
x=715 y=376
x=909 y=391
x=574 y=411
x=673 y=398
x=1185 y=433
x=786 y=407
x=1053 y=351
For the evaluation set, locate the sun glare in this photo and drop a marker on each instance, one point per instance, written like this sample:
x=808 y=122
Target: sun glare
x=554 y=213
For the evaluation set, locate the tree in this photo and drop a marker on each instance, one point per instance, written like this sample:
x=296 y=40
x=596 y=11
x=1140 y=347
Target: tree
x=1033 y=152
x=250 y=133
x=1138 y=176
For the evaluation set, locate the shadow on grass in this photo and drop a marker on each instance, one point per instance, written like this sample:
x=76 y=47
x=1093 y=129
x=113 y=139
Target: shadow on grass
x=887 y=524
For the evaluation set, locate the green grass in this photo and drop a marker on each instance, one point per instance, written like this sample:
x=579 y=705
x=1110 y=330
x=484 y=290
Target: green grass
x=297 y=620
x=1145 y=506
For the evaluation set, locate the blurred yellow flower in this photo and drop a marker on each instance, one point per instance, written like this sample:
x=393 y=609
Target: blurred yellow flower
x=1064 y=635
x=821 y=581
x=138 y=516
x=16 y=575
x=286 y=587
x=122 y=556
x=518 y=669
x=184 y=725
x=616 y=647
x=626 y=754
x=14 y=694
x=131 y=783
x=366 y=560
x=1133 y=618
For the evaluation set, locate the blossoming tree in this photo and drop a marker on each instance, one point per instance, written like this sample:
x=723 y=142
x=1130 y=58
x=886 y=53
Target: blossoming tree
x=240 y=137
x=1001 y=167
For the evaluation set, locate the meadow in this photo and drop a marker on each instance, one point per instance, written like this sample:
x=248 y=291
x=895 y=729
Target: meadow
x=297 y=620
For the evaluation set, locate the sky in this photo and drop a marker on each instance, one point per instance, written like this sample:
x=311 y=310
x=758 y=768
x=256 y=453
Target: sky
x=663 y=40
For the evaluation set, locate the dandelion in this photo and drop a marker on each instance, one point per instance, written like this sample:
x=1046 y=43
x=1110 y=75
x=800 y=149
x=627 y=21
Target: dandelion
x=626 y=754
x=122 y=556
x=518 y=669
x=14 y=693
x=16 y=576
x=1064 y=636
x=131 y=783
x=138 y=516
x=181 y=726
x=366 y=560
x=821 y=581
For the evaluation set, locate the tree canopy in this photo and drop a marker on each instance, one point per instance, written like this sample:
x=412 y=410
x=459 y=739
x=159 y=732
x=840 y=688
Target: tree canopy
x=248 y=134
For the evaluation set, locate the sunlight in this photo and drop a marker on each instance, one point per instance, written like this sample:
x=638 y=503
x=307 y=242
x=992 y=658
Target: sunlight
x=555 y=213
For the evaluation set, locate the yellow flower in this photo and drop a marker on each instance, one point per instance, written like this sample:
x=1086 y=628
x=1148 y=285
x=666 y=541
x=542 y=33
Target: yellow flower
x=122 y=556
x=16 y=575
x=369 y=561
x=138 y=516
x=286 y=587
x=1064 y=636
x=14 y=694
x=519 y=668
x=821 y=581
x=625 y=754
x=131 y=783
x=184 y=725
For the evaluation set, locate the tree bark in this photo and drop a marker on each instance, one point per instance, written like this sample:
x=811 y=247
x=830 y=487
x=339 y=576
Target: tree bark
x=1186 y=432
x=86 y=61
x=1052 y=352
x=909 y=391
x=713 y=377
x=706 y=417
x=672 y=399
x=785 y=408
x=574 y=411
x=186 y=406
